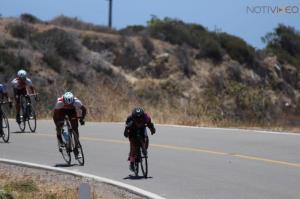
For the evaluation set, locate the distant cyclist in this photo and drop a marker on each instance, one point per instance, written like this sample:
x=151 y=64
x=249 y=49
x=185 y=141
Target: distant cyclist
x=22 y=85
x=71 y=106
x=3 y=98
x=135 y=129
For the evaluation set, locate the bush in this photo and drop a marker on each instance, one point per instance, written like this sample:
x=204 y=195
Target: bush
x=30 y=18
x=211 y=49
x=176 y=31
x=8 y=61
x=75 y=23
x=58 y=41
x=132 y=30
x=237 y=48
x=20 y=30
x=285 y=43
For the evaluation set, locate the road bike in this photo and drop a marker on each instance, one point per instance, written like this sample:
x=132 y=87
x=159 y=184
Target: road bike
x=71 y=143
x=27 y=113
x=142 y=158
x=4 y=125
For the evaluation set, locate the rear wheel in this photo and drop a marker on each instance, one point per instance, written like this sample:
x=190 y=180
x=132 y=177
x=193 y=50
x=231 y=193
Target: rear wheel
x=5 y=128
x=31 y=118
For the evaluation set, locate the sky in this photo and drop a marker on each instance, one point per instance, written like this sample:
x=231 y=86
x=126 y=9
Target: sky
x=248 y=19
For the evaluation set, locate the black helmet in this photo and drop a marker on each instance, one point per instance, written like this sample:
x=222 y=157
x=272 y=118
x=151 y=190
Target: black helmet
x=138 y=113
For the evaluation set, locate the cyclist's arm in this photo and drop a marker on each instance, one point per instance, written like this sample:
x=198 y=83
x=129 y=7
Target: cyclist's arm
x=150 y=125
x=83 y=109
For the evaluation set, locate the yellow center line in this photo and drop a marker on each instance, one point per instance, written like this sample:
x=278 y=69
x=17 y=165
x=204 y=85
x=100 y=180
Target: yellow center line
x=190 y=149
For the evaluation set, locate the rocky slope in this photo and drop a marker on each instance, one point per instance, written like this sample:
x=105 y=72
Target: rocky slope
x=113 y=71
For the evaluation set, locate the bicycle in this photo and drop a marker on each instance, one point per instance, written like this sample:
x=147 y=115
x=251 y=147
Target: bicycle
x=70 y=139
x=4 y=124
x=27 y=113
x=142 y=158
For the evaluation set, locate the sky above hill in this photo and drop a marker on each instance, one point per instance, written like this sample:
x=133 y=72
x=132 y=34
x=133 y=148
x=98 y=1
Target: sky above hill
x=249 y=19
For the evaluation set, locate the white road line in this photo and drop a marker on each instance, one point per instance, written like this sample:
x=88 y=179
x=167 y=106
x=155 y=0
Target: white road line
x=121 y=185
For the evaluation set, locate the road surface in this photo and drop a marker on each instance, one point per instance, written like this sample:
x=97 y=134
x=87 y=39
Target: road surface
x=183 y=162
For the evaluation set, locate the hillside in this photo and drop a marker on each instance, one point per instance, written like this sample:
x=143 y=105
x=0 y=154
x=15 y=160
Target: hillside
x=181 y=73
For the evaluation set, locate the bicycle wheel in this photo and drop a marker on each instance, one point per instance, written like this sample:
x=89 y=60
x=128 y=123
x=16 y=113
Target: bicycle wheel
x=5 y=128
x=80 y=155
x=66 y=151
x=144 y=163
x=31 y=118
x=136 y=167
x=22 y=124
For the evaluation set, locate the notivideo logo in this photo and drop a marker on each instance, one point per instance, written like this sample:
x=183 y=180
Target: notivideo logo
x=291 y=9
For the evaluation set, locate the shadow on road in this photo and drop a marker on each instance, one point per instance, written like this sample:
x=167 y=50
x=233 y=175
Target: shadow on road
x=20 y=132
x=134 y=177
x=65 y=165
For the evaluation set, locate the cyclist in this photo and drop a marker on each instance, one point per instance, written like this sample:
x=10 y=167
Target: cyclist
x=136 y=125
x=73 y=108
x=20 y=85
x=3 y=97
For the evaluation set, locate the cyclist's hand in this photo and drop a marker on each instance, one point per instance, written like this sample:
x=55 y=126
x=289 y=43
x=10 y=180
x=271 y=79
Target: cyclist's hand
x=153 y=131
x=82 y=122
x=126 y=133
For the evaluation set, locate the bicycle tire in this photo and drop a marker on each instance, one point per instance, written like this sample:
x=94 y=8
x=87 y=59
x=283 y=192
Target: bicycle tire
x=79 y=148
x=5 y=128
x=31 y=118
x=66 y=151
x=136 y=167
x=144 y=163
x=22 y=124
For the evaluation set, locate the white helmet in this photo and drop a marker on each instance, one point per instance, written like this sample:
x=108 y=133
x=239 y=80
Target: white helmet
x=68 y=98
x=22 y=74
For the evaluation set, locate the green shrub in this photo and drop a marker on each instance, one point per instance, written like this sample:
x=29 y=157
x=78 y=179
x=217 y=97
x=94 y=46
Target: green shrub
x=75 y=23
x=29 y=18
x=10 y=62
x=20 y=30
x=132 y=30
x=176 y=31
x=53 y=61
x=285 y=43
x=237 y=48
x=58 y=41
x=211 y=49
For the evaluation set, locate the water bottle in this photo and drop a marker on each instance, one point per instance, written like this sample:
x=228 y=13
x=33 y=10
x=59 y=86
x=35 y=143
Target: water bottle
x=66 y=136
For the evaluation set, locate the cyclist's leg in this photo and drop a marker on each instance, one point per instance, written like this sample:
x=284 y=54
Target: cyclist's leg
x=17 y=102
x=133 y=149
x=58 y=118
x=74 y=123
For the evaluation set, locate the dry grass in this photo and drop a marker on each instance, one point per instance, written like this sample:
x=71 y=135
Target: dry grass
x=29 y=188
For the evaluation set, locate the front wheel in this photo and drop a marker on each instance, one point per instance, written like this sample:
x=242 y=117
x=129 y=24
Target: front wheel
x=80 y=155
x=66 y=150
x=144 y=163
x=31 y=118
x=5 y=128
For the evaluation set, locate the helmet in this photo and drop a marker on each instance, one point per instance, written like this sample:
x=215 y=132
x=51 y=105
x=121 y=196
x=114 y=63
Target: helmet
x=68 y=98
x=22 y=74
x=138 y=113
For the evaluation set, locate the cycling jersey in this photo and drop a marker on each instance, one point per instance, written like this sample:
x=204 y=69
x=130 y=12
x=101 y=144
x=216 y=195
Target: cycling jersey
x=20 y=84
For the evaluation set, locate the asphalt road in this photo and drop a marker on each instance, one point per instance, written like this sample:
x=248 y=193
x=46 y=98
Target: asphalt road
x=183 y=162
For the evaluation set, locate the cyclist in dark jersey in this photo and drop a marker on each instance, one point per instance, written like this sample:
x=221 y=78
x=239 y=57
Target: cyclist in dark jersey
x=135 y=129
